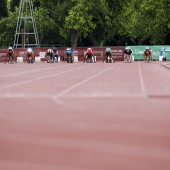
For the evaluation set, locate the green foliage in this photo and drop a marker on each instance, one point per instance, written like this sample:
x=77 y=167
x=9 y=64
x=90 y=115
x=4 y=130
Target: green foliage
x=3 y=9
x=47 y=28
x=7 y=29
x=14 y=4
x=71 y=21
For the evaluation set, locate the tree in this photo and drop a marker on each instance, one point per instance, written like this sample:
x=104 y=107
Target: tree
x=14 y=4
x=95 y=22
x=3 y=9
x=79 y=21
x=146 y=20
x=7 y=29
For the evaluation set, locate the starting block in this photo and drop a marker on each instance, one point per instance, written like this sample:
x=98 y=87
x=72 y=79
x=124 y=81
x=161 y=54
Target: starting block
x=94 y=60
x=37 y=59
x=19 y=59
x=75 y=59
x=161 y=58
x=58 y=59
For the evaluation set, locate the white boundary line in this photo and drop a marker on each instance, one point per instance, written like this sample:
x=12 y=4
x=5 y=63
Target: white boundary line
x=39 y=78
x=80 y=83
x=142 y=84
x=166 y=65
x=56 y=97
x=49 y=68
x=90 y=95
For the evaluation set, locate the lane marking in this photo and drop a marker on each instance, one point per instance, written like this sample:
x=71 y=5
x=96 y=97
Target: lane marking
x=90 y=95
x=49 y=68
x=39 y=78
x=81 y=83
x=56 y=97
x=166 y=65
x=142 y=84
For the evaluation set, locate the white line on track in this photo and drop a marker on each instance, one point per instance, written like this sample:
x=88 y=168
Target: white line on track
x=80 y=83
x=90 y=95
x=166 y=65
x=49 y=68
x=57 y=96
x=39 y=78
x=143 y=89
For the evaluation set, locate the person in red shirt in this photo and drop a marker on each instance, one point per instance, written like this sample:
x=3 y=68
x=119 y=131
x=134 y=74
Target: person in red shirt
x=89 y=56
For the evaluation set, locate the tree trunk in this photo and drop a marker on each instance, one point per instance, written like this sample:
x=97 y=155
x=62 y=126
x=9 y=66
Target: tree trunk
x=74 y=38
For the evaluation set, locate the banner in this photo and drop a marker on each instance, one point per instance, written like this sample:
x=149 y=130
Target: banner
x=156 y=51
x=117 y=52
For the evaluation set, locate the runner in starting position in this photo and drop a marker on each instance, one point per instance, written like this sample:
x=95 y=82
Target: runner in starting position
x=147 y=55
x=10 y=56
x=127 y=55
x=108 y=57
x=68 y=56
x=49 y=55
x=89 y=56
x=30 y=55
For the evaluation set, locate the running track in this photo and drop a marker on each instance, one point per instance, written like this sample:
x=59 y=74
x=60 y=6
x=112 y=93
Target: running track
x=81 y=116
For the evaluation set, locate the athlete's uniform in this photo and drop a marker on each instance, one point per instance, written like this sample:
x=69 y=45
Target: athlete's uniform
x=10 y=56
x=147 y=54
x=55 y=52
x=128 y=54
x=89 y=56
x=50 y=56
x=30 y=55
x=68 y=56
x=108 y=57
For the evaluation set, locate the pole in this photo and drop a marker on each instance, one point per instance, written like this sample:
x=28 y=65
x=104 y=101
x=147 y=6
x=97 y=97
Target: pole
x=23 y=44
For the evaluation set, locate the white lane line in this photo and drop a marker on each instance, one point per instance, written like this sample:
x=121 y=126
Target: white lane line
x=90 y=95
x=56 y=98
x=50 y=68
x=39 y=78
x=98 y=146
x=166 y=65
x=81 y=83
x=142 y=84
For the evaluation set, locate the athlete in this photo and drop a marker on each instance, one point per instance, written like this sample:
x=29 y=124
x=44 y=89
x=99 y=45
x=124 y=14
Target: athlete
x=11 y=57
x=108 y=57
x=55 y=51
x=89 y=56
x=147 y=55
x=68 y=56
x=127 y=55
x=30 y=55
x=49 y=55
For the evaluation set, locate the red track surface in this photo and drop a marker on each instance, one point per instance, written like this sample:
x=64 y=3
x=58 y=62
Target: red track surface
x=85 y=116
